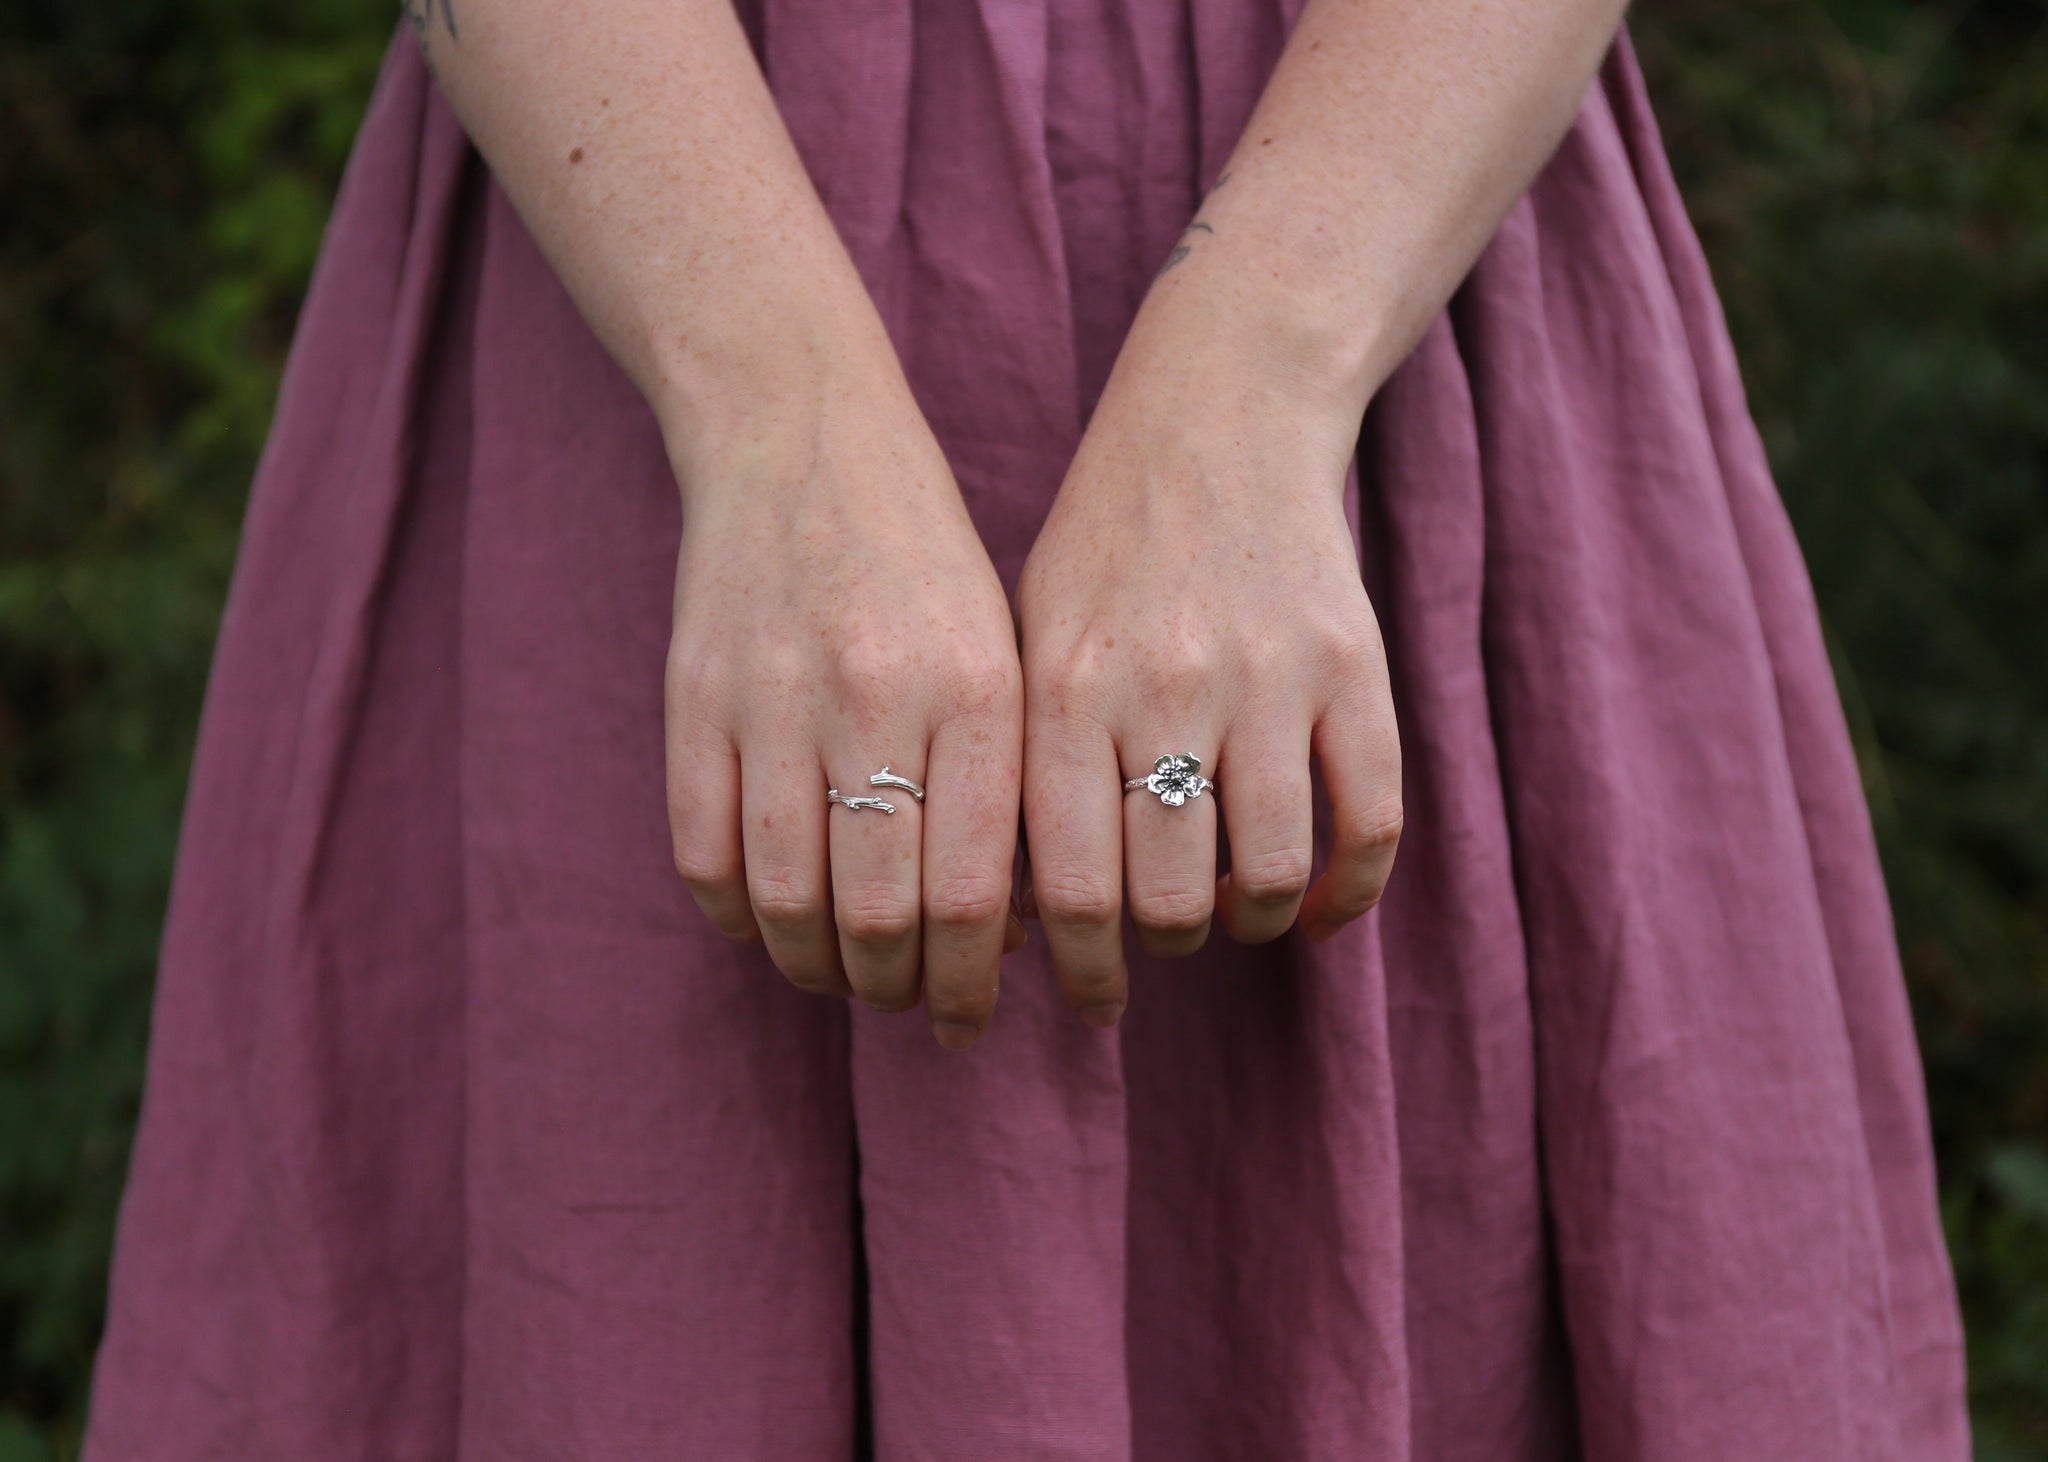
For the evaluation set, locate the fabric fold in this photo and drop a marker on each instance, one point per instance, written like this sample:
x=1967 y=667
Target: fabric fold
x=289 y=1267
x=467 y=1136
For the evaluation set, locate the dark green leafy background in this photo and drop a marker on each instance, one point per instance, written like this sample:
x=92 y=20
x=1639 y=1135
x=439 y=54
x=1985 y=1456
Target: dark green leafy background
x=1871 y=181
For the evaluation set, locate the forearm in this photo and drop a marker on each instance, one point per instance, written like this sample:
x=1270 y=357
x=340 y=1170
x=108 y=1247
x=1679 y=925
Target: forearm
x=1390 y=141
x=641 y=147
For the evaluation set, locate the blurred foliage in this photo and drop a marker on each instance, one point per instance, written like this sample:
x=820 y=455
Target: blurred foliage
x=1870 y=178
x=165 y=172
x=1871 y=181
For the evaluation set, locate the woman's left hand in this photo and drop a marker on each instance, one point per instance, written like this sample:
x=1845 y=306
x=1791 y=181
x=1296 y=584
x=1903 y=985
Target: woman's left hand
x=1196 y=590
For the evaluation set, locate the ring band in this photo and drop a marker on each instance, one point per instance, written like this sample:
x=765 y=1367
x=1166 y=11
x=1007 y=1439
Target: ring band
x=883 y=778
x=1174 y=778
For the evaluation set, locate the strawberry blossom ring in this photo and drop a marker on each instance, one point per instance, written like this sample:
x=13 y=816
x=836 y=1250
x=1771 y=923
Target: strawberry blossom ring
x=1174 y=779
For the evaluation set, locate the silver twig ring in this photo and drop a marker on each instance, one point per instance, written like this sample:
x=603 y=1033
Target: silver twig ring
x=887 y=778
x=858 y=804
x=883 y=778
x=1175 y=778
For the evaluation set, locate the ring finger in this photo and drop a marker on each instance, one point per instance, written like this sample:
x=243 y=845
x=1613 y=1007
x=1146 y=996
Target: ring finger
x=1170 y=850
x=876 y=889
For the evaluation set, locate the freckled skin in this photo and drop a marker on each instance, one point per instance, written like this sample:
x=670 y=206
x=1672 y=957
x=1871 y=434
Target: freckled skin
x=834 y=611
x=1195 y=589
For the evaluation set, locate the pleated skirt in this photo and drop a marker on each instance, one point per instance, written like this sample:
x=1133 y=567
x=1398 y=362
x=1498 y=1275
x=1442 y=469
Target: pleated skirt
x=466 y=1136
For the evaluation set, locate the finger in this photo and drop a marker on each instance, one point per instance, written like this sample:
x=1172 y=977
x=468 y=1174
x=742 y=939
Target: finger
x=970 y=854
x=1359 y=748
x=1074 y=826
x=1169 y=851
x=782 y=820
x=1268 y=815
x=875 y=860
x=703 y=774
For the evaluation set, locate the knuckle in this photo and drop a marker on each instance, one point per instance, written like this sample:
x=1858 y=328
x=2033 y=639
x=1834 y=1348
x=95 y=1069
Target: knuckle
x=1351 y=641
x=1173 y=910
x=695 y=673
x=706 y=871
x=876 y=915
x=1179 y=670
x=872 y=675
x=782 y=902
x=1080 y=900
x=1371 y=828
x=1273 y=877
x=966 y=902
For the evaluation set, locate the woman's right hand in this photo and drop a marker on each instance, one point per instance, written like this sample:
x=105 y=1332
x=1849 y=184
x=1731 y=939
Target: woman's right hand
x=834 y=612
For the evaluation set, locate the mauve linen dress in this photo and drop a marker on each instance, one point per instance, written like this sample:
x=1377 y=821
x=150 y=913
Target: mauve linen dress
x=466 y=1137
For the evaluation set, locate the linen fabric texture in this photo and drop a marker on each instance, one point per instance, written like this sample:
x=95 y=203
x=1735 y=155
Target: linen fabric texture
x=467 y=1137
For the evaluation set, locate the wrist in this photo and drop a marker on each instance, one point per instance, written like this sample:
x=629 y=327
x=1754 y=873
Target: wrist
x=1241 y=408
x=755 y=409
x=1243 y=357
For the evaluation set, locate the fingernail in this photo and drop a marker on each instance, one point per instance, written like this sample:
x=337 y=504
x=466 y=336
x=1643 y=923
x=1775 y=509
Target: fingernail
x=1014 y=936
x=955 y=1035
x=1102 y=1017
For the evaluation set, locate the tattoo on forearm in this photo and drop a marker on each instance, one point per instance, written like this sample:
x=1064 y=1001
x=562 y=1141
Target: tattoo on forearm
x=1181 y=249
x=422 y=13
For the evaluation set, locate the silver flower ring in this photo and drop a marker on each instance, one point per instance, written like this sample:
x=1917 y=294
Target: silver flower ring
x=1174 y=778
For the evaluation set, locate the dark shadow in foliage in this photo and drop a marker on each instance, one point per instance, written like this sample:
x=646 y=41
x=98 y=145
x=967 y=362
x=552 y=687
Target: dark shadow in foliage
x=1871 y=180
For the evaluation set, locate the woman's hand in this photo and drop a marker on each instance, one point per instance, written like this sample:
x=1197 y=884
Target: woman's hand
x=1196 y=590
x=835 y=611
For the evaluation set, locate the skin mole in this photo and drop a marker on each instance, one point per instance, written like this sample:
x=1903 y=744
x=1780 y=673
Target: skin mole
x=575 y=154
